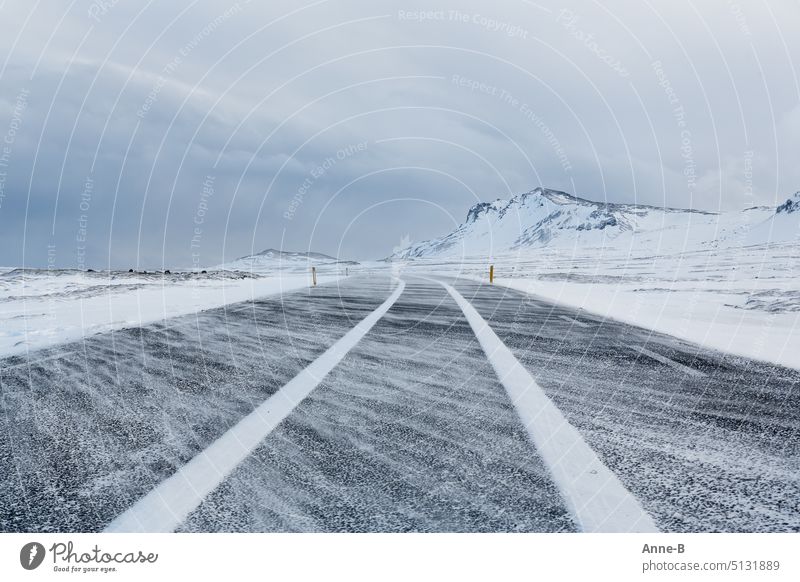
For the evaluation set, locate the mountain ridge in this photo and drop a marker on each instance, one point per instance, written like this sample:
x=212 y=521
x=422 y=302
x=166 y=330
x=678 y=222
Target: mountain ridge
x=559 y=197
x=547 y=217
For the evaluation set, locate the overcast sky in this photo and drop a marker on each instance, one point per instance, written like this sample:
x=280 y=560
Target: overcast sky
x=187 y=133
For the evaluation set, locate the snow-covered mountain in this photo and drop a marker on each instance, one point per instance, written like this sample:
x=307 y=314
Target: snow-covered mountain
x=791 y=205
x=272 y=260
x=782 y=224
x=550 y=218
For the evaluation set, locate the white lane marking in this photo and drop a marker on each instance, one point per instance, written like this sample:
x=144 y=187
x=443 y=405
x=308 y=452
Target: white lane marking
x=575 y=321
x=170 y=503
x=597 y=499
x=667 y=361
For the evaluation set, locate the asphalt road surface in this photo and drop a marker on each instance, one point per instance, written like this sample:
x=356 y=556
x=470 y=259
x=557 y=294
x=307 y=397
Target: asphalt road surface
x=411 y=431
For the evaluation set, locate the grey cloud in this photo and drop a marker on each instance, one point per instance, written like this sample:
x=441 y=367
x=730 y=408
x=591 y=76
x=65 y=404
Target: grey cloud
x=684 y=105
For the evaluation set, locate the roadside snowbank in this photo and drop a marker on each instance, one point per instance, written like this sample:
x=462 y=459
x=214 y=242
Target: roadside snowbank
x=709 y=319
x=743 y=301
x=39 y=309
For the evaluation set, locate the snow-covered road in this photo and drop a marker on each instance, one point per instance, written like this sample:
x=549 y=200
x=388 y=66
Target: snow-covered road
x=714 y=449
x=412 y=430
x=597 y=499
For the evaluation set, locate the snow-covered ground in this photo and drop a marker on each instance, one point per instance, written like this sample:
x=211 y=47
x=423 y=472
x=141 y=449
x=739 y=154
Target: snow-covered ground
x=40 y=308
x=740 y=300
x=722 y=280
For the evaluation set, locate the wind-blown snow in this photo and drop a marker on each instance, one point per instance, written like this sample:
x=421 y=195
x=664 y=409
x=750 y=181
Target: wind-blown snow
x=40 y=308
x=597 y=499
x=168 y=505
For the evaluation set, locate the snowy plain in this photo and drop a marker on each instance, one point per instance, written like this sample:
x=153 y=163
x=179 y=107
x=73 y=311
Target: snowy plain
x=743 y=301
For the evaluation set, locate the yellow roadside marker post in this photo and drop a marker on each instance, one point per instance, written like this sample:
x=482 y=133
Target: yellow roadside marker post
x=491 y=273
x=314 y=275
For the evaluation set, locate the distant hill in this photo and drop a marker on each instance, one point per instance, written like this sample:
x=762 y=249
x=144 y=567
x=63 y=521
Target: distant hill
x=272 y=260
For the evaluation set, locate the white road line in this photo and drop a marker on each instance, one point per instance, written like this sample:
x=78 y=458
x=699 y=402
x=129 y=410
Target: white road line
x=575 y=321
x=667 y=361
x=170 y=503
x=597 y=499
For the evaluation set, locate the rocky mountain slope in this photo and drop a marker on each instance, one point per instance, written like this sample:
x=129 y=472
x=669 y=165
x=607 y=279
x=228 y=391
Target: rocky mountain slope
x=554 y=219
